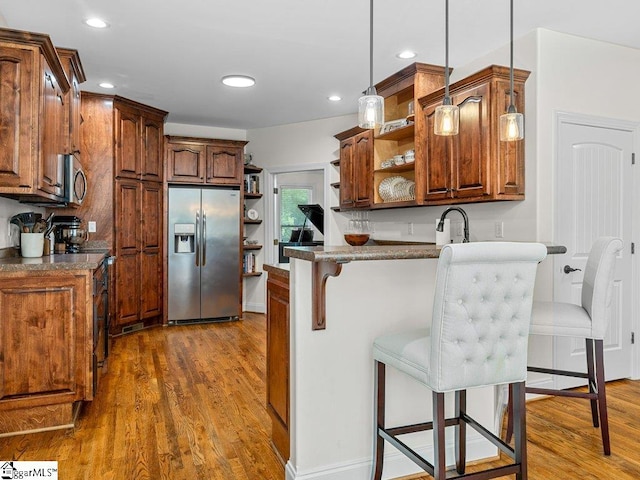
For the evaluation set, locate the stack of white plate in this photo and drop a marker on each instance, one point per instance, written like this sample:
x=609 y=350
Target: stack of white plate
x=397 y=189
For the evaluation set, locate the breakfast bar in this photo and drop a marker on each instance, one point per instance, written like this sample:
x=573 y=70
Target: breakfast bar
x=341 y=299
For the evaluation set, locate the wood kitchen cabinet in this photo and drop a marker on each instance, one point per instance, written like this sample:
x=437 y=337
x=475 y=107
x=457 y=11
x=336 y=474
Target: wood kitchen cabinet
x=475 y=165
x=48 y=339
x=278 y=360
x=139 y=269
x=401 y=90
x=50 y=165
x=204 y=161
x=72 y=116
x=356 y=164
x=32 y=89
x=138 y=140
x=138 y=219
x=122 y=145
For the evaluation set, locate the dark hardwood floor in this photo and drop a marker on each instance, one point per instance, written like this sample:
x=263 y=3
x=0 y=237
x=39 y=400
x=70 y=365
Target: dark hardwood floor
x=185 y=403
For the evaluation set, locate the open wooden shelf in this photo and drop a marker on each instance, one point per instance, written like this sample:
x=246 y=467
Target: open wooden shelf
x=248 y=221
x=335 y=163
x=252 y=274
x=251 y=247
x=398 y=134
x=405 y=167
x=252 y=195
x=336 y=185
x=249 y=169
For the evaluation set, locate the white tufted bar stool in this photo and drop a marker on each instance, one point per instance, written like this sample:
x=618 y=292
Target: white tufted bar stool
x=478 y=337
x=589 y=321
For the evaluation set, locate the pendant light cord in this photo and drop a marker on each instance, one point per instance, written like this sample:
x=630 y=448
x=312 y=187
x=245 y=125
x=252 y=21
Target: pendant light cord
x=511 y=57
x=446 y=49
x=371 y=44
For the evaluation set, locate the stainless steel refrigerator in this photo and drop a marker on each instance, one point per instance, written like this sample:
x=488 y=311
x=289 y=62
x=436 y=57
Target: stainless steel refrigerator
x=204 y=254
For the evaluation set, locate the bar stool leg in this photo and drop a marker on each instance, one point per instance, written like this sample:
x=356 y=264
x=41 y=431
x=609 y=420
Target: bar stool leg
x=461 y=431
x=509 y=434
x=379 y=409
x=439 y=448
x=602 y=396
x=592 y=380
x=520 y=428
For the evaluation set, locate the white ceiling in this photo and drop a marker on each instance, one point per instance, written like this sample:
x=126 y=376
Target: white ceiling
x=171 y=54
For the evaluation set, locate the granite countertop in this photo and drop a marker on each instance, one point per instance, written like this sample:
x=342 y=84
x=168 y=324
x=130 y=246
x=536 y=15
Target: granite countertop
x=346 y=253
x=67 y=261
x=281 y=269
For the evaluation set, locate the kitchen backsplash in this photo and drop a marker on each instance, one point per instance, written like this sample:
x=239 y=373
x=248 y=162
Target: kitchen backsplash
x=9 y=208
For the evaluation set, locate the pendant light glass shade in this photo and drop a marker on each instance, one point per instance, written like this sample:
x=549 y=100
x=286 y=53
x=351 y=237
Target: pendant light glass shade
x=511 y=126
x=512 y=122
x=447 y=120
x=370 y=105
x=447 y=116
x=370 y=109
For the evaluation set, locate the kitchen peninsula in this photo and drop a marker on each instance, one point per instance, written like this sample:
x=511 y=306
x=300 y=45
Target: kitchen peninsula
x=53 y=342
x=369 y=291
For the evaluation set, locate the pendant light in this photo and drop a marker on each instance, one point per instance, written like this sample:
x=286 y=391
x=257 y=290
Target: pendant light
x=447 y=116
x=512 y=122
x=370 y=105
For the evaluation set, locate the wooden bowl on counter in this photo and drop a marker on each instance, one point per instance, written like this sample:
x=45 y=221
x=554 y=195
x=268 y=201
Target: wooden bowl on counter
x=356 y=239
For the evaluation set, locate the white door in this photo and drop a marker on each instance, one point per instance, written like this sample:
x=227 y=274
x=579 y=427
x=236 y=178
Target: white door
x=593 y=199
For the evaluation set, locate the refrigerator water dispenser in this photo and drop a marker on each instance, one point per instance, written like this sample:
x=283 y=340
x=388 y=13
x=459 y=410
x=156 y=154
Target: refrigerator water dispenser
x=185 y=234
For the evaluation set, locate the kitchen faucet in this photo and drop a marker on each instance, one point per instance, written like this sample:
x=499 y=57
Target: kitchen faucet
x=440 y=226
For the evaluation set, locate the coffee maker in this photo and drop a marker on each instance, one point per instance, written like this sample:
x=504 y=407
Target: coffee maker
x=70 y=232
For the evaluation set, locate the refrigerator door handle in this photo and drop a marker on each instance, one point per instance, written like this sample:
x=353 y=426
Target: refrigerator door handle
x=204 y=237
x=197 y=238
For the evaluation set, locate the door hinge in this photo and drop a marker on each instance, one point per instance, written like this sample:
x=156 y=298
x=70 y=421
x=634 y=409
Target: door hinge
x=633 y=248
x=275 y=190
x=633 y=338
x=633 y=159
x=275 y=241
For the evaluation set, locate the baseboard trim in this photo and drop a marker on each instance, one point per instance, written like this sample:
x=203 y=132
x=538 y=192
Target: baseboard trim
x=395 y=464
x=255 y=307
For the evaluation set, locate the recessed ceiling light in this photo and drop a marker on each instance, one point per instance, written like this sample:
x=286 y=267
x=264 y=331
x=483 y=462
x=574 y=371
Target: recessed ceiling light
x=107 y=85
x=96 y=23
x=239 y=81
x=335 y=98
x=406 y=54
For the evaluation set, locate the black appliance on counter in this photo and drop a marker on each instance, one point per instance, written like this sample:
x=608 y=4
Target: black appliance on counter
x=303 y=237
x=70 y=231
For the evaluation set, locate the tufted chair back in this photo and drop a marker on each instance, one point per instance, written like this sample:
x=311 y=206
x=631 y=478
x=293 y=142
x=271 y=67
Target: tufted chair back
x=597 y=284
x=481 y=313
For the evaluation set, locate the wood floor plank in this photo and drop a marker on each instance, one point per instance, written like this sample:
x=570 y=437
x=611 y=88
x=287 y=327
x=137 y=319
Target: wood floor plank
x=563 y=444
x=178 y=403
x=188 y=402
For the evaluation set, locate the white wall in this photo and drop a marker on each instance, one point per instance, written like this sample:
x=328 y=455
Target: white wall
x=8 y=208
x=313 y=143
x=568 y=73
x=202 y=131
x=291 y=148
x=577 y=75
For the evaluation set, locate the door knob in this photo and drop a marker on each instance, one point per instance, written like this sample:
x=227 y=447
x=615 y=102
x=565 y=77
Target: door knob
x=568 y=269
